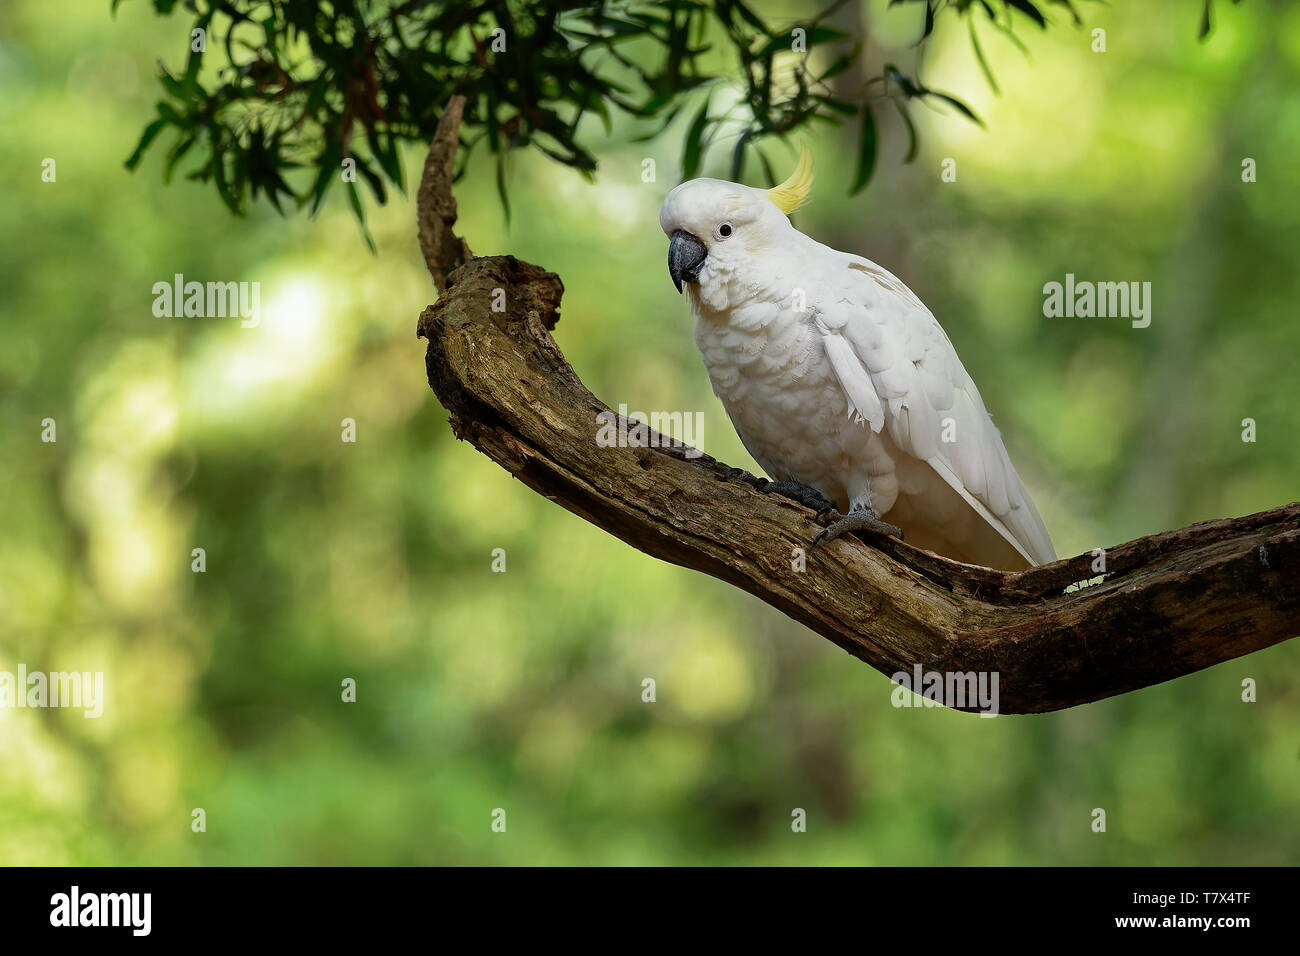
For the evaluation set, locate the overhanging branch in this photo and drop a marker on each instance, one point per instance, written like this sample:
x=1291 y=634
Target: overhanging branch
x=1168 y=604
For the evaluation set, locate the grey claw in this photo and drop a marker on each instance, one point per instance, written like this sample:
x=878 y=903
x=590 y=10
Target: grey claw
x=859 y=521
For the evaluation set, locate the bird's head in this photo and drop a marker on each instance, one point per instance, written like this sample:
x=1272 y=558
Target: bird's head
x=713 y=225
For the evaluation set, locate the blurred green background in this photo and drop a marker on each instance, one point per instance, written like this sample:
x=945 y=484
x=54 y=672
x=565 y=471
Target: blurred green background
x=522 y=690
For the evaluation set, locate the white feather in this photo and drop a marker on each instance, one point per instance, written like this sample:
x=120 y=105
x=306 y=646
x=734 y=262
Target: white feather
x=836 y=375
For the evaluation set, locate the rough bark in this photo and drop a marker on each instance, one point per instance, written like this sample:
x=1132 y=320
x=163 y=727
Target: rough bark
x=1168 y=604
x=435 y=205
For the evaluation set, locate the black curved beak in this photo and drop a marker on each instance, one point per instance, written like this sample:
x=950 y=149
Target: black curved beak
x=685 y=256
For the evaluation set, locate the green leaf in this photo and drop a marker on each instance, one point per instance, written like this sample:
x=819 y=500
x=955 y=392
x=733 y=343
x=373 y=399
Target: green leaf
x=821 y=34
x=868 y=146
x=841 y=63
x=330 y=165
x=768 y=171
x=373 y=180
x=217 y=168
x=738 y=156
x=1029 y=10
x=842 y=107
x=174 y=156
x=502 y=194
x=359 y=210
x=979 y=55
x=384 y=147
x=1074 y=14
x=150 y=134
x=893 y=74
x=745 y=13
x=929 y=21
x=911 y=131
x=268 y=27
x=693 y=150
x=958 y=104
x=785 y=41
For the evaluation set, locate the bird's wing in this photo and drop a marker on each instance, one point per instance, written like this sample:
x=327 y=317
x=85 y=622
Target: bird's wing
x=900 y=372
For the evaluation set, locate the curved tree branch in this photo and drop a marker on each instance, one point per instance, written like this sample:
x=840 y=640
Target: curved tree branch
x=436 y=212
x=1168 y=604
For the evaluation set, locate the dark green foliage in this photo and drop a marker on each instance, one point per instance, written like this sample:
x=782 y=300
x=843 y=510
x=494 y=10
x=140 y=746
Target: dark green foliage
x=307 y=84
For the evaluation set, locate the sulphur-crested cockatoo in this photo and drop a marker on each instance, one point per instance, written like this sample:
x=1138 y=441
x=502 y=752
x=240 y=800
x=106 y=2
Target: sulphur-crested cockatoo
x=840 y=382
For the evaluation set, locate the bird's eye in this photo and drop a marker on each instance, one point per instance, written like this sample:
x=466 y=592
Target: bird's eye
x=724 y=230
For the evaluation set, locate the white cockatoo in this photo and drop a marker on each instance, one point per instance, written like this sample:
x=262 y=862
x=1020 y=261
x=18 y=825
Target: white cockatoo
x=840 y=382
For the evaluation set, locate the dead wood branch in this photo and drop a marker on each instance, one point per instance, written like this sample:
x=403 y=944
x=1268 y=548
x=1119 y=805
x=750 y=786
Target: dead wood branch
x=1168 y=605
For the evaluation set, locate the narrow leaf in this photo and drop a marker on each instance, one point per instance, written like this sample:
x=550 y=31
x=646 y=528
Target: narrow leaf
x=867 y=148
x=693 y=151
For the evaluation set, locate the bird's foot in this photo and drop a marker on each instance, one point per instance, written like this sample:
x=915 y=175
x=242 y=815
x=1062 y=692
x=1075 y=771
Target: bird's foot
x=864 y=520
x=804 y=494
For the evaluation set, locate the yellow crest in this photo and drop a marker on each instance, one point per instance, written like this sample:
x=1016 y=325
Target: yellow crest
x=792 y=193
